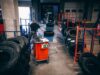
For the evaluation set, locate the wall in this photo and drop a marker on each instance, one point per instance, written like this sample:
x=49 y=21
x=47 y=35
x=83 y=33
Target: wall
x=10 y=15
x=95 y=12
x=78 y=15
x=24 y=3
x=74 y=8
x=49 y=1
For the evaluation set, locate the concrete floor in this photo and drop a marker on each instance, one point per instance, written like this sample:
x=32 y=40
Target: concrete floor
x=60 y=62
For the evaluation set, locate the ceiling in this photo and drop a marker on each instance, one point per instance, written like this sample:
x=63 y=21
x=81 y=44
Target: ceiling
x=54 y=1
x=24 y=0
x=43 y=0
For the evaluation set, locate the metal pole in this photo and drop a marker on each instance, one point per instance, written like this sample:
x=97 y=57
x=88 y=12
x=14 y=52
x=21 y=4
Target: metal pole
x=92 y=43
x=76 y=46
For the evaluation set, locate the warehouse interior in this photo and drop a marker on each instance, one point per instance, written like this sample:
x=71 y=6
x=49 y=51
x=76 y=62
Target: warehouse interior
x=49 y=37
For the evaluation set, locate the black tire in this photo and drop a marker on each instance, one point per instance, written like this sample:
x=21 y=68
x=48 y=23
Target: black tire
x=72 y=48
x=72 y=33
x=70 y=24
x=50 y=25
x=89 y=64
x=48 y=33
x=8 y=58
x=66 y=31
x=24 y=39
x=49 y=28
x=66 y=41
x=98 y=56
x=11 y=44
x=62 y=31
x=18 y=41
x=25 y=54
x=2 y=37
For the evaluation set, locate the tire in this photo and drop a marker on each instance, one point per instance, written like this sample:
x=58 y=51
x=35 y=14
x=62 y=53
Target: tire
x=50 y=25
x=66 y=31
x=89 y=64
x=11 y=44
x=72 y=33
x=72 y=48
x=2 y=37
x=24 y=39
x=48 y=33
x=65 y=34
x=62 y=31
x=70 y=24
x=99 y=41
x=49 y=28
x=8 y=58
x=98 y=56
x=25 y=54
x=66 y=41
x=18 y=41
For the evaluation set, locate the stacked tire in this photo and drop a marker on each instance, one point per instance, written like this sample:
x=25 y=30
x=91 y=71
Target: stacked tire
x=70 y=35
x=89 y=64
x=71 y=48
x=48 y=33
x=66 y=25
x=70 y=41
x=14 y=56
x=49 y=29
x=50 y=24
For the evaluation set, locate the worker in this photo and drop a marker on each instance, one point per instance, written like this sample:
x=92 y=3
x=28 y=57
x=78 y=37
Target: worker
x=33 y=36
x=34 y=26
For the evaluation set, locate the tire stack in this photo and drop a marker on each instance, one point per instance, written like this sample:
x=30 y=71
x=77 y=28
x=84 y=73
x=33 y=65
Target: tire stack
x=70 y=36
x=89 y=64
x=70 y=41
x=67 y=25
x=64 y=26
x=49 y=29
x=14 y=56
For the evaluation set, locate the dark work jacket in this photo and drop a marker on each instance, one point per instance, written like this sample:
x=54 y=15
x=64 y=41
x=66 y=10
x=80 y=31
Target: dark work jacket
x=34 y=27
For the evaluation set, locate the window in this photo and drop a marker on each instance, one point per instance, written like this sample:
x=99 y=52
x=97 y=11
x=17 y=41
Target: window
x=73 y=10
x=67 y=10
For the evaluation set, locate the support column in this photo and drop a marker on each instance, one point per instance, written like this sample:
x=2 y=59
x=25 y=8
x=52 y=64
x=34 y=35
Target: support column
x=10 y=16
x=35 y=9
x=17 y=26
x=88 y=9
x=62 y=3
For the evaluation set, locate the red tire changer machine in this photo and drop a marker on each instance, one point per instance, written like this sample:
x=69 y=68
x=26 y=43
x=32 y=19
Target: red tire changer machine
x=40 y=50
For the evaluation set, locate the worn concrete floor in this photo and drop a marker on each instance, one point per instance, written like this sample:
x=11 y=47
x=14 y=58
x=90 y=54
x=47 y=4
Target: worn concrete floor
x=60 y=63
